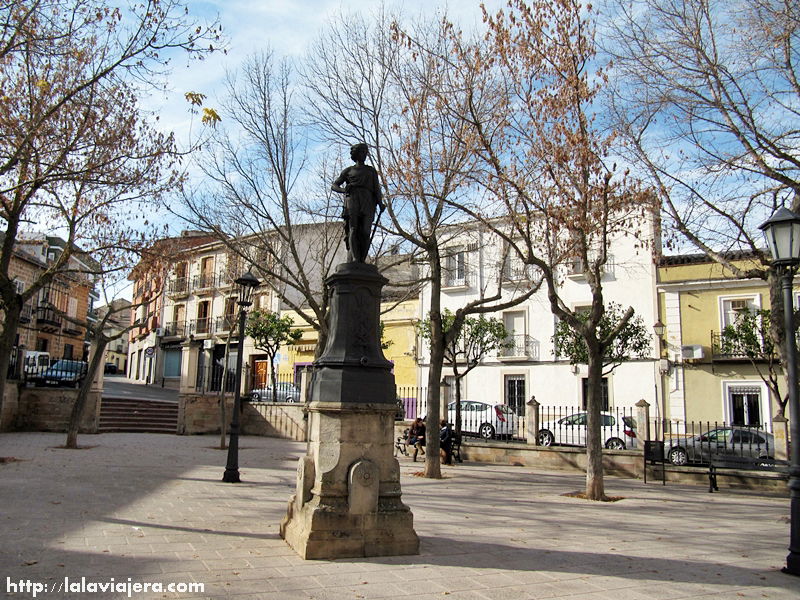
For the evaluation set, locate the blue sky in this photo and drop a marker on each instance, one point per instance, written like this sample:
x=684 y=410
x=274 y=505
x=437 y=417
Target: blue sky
x=285 y=26
x=288 y=27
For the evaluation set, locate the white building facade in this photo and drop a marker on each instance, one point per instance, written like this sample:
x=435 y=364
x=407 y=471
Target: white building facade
x=530 y=368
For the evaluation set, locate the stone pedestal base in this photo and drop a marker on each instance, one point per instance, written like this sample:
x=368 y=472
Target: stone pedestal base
x=347 y=502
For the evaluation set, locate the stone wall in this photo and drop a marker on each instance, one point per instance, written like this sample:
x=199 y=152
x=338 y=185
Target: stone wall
x=48 y=409
x=620 y=463
x=275 y=420
x=9 y=407
x=200 y=414
x=623 y=463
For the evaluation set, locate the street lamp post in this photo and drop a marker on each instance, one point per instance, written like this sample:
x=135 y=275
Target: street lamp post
x=661 y=397
x=782 y=230
x=245 y=285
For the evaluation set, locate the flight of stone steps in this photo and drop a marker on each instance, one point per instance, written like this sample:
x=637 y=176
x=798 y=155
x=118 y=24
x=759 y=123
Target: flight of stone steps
x=145 y=416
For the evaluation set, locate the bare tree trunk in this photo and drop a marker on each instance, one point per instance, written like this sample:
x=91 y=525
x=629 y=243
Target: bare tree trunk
x=433 y=467
x=223 y=385
x=457 y=379
x=273 y=377
x=98 y=352
x=595 y=489
x=11 y=322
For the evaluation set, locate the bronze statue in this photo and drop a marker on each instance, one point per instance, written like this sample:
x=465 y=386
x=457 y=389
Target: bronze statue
x=362 y=195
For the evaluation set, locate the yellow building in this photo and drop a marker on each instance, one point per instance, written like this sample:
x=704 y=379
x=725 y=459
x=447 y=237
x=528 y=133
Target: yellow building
x=399 y=340
x=700 y=382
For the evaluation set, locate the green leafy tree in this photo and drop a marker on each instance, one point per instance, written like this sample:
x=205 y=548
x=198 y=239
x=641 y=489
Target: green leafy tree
x=631 y=339
x=477 y=337
x=749 y=336
x=269 y=331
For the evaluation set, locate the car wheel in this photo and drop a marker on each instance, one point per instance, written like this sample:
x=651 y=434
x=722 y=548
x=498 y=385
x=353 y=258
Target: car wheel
x=486 y=431
x=546 y=438
x=255 y=396
x=678 y=456
x=615 y=444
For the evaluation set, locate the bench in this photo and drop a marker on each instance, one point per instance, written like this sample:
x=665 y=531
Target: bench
x=744 y=463
x=456 y=448
x=401 y=443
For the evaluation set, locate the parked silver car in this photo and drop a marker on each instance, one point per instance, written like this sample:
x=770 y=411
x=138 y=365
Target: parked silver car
x=285 y=392
x=718 y=442
x=617 y=432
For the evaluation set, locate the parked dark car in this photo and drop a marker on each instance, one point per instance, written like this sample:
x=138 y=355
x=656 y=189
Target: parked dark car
x=110 y=369
x=719 y=442
x=63 y=373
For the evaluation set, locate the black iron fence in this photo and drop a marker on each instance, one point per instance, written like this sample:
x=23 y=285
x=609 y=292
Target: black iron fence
x=413 y=399
x=214 y=377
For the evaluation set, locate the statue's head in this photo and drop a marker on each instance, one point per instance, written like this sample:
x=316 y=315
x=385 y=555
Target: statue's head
x=359 y=150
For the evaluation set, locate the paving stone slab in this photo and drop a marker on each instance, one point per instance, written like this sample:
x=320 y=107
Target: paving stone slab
x=153 y=507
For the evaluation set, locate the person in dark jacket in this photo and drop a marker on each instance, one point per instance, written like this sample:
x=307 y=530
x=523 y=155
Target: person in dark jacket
x=446 y=442
x=416 y=437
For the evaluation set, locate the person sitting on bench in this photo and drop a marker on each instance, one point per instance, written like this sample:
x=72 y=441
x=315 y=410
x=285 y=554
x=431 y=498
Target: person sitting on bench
x=416 y=437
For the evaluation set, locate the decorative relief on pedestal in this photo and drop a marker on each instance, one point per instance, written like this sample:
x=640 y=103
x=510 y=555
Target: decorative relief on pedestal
x=362 y=486
x=362 y=332
x=305 y=480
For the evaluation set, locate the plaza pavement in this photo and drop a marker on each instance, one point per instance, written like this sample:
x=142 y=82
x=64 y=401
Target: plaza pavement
x=153 y=508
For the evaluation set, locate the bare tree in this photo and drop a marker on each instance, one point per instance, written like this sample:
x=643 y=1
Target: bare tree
x=108 y=280
x=553 y=198
x=77 y=156
x=366 y=81
x=253 y=197
x=705 y=99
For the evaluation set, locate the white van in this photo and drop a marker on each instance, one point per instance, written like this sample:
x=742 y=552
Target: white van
x=36 y=362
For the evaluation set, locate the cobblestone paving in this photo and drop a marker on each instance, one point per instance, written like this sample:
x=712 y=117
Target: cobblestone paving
x=153 y=508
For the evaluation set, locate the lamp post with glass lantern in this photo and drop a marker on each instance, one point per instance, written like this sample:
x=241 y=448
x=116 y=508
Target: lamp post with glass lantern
x=245 y=285
x=782 y=231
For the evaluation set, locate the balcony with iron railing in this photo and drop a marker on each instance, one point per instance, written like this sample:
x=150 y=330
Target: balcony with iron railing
x=175 y=329
x=520 y=347
x=576 y=270
x=47 y=318
x=71 y=328
x=515 y=271
x=26 y=313
x=179 y=286
x=457 y=279
x=728 y=348
x=201 y=326
x=204 y=282
x=225 y=324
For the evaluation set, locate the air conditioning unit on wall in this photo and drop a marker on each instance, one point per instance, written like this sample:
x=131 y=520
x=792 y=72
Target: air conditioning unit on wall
x=692 y=352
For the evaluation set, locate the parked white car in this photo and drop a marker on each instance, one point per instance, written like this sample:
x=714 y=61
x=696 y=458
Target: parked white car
x=286 y=392
x=484 y=419
x=617 y=432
